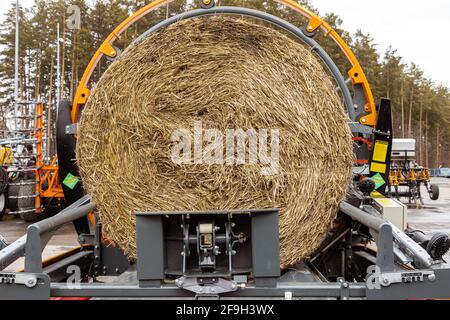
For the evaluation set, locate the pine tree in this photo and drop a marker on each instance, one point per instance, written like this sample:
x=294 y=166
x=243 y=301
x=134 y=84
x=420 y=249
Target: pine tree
x=391 y=86
x=7 y=55
x=369 y=58
x=420 y=108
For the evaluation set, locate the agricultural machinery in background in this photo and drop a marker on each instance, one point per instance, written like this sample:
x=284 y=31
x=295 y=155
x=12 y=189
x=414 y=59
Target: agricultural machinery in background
x=406 y=176
x=29 y=180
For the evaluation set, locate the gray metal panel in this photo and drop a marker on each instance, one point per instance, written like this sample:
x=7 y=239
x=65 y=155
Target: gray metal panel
x=41 y=291
x=265 y=245
x=385 y=254
x=359 y=100
x=150 y=247
x=33 y=250
x=307 y=290
x=437 y=289
x=357 y=127
x=114 y=261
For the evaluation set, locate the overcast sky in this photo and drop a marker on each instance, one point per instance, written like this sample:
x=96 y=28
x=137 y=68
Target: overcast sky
x=419 y=29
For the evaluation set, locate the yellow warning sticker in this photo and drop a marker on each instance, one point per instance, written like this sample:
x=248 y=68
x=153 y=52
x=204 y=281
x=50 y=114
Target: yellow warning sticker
x=378 y=167
x=380 y=151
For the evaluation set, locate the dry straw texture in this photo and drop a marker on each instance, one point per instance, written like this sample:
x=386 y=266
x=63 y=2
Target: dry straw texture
x=229 y=73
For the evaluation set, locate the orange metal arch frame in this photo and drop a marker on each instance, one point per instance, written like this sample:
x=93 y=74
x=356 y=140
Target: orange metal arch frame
x=356 y=72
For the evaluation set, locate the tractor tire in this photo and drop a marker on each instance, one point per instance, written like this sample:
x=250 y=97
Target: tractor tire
x=3 y=180
x=2 y=206
x=434 y=192
x=25 y=204
x=13 y=191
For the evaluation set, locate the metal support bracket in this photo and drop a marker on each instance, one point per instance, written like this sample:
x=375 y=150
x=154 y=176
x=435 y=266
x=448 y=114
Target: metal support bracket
x=207 y=4
x=345 y=289
x=86 y=239
x=356 y=127
x=312 y=27
x=385 y=254
x=386 y=279
x=29 y=280
x=72 y=128
x=415 y=284
x=108 y=50
x=97 y=247
x=213 y=287
x=24 y=286
x=33 y=249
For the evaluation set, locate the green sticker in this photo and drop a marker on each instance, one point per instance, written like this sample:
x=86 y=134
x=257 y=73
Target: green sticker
x=71 y=181
x=379 y=181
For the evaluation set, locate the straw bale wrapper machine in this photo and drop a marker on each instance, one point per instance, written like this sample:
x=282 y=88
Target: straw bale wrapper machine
x=235 y=254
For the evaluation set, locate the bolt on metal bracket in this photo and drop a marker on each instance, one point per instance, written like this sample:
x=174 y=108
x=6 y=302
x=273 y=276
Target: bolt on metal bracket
x=386 y=279
x=29 y=280
x=345 y=289
x=218 y=286
x=72 y=128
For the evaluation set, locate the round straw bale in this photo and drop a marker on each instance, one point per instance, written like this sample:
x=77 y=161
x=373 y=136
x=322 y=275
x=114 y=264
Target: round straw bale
x=217 y=73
